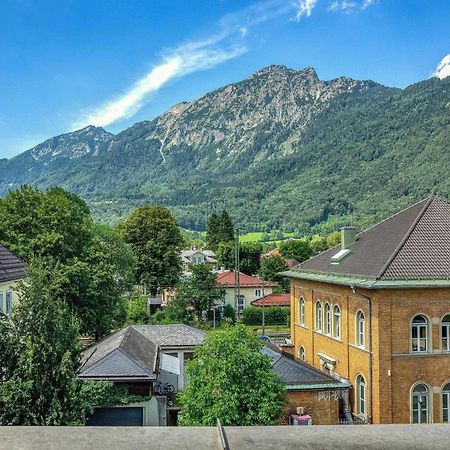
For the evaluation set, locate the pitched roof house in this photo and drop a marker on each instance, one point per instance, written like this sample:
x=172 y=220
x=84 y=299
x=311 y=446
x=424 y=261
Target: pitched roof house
x=251 y=288
x=376 y=310
x=274 y=299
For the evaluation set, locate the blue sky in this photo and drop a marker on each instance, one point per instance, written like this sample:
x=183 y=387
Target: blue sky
x=64 y=64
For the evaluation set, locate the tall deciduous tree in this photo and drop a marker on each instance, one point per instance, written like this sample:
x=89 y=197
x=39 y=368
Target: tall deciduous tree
x=156 y=239
x=230 y=380
x=270 y=267
x=38 y=371
x=200 y=291
x=298 y=249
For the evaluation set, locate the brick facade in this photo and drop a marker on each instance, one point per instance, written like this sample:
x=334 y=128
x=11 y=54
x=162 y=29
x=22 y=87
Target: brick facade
x=393 y=369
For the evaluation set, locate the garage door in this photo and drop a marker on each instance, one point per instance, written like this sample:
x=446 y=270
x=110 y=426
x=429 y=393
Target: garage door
x=127 y=416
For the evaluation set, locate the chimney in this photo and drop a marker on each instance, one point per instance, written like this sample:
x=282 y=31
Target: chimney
x=348 y=237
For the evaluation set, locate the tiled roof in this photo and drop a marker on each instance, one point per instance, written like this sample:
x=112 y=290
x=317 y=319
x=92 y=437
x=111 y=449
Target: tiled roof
x=133 y=351
x=413 y=244
x=273 y=300
x=298 y=373
x=227 y=279
x=11 y=267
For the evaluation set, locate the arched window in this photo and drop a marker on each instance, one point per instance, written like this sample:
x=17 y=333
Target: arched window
x=327 y=318
x=420 y=404
x=336 y=322
x=446 y=403
x=301 y=311
x=445 y=331
x=301 y=353
x=419 y=334
x=360 y=331
x=360 y=395
x=318 y=316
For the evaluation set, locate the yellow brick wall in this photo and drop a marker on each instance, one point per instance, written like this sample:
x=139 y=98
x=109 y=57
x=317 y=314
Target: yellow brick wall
x=394 y=369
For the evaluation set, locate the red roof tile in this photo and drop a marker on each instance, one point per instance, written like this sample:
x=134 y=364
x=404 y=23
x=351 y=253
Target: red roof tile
x=227 y=279
x=273 y=300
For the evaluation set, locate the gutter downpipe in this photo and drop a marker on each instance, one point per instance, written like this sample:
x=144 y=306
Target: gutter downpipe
x=369 y=300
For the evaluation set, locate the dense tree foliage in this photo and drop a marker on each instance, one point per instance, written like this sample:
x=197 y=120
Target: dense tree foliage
x=220 y=229
x=92 y=266
x=156 y=239
x=230 y=380
x=270 y=267
x=249 y=256
x=200 y=290
x=39 y=366
x=298 y=249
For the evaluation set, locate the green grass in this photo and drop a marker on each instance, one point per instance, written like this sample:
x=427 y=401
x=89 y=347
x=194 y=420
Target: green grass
x=251 y=237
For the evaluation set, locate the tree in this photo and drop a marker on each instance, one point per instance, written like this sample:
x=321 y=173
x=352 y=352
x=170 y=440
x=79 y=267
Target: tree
x=249 y=256
x=230 y=380
x=318 y=244
x=156 y=239
x=333 y=239
x=212 y=231
x=39 y=369
x=92 y=266
x=298 y=249
x=226 y=227
x=270 y=267
x=200 y=291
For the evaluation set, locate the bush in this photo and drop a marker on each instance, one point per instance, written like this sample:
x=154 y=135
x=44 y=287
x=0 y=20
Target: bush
x=229 y=313
x=137 y=312
x=274 y=315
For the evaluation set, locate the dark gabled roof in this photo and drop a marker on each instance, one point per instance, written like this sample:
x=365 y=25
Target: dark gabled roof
x=132 y=353
x=11 y=267
x=413 y=244
x=298 y=375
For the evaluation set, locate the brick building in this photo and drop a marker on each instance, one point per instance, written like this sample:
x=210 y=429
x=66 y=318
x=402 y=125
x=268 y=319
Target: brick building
x=376 y=311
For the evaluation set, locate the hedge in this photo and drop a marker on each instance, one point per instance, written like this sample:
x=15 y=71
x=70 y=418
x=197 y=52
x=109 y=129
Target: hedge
x=274 y=315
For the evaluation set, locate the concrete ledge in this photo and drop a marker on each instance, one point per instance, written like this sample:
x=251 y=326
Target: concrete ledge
x=242 y=438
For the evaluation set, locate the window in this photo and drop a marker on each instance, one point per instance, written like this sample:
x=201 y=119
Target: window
x=240 y=304
x=2 y=306
x=257 y=293
x=419 y=334
x=360 y=321
x=446 y=403
x=302 y=311
x=336 y=322
x=301 y=353
x=9 y=304
x=318 y=316
x=420 y=404
x=445 y=329
x=327 y=318
x=360 y=395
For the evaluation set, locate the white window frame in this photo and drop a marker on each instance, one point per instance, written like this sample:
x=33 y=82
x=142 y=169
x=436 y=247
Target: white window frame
x=445 y=329
x=420 y=406
x=327 y=317
x=360 y=329
x=240 y=303
x=8 y=302
x=336 y=321
x=302 y=311
x=302 y=353
x=416 y=330
x=446 y=402
x=2 y=303
x=257 y=293
x=361 y=395
x=319 y=317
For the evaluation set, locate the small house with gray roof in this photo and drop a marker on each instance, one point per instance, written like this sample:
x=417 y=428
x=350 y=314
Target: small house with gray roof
x=376 y=311
x=12 y=269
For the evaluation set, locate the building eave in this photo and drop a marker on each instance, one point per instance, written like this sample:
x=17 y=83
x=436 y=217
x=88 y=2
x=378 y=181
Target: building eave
x=364 y=282
x=316 y=386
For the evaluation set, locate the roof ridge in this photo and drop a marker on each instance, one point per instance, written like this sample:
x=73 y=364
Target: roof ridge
x=406 y=237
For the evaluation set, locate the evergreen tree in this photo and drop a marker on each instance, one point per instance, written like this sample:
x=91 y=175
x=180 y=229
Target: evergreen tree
x=38 y=369
x=212 y=232
x=226 y=227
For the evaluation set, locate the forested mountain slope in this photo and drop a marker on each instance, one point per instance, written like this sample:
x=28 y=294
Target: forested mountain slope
x=281 y=149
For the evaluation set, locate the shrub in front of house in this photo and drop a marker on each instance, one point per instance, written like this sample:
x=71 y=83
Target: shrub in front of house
x=274 y=315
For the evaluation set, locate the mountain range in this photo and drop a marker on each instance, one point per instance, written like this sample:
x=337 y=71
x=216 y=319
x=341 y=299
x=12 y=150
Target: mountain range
x=281 y=149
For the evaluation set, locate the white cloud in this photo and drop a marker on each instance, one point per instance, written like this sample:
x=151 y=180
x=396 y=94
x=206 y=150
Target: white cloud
x=304 y=9
x=341 y=5
x=443 y=68
x=189 y=58
x=368 y=3
x=243 y=31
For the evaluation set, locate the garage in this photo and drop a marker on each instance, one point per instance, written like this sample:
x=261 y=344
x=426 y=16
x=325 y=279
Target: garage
x=122 y=416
